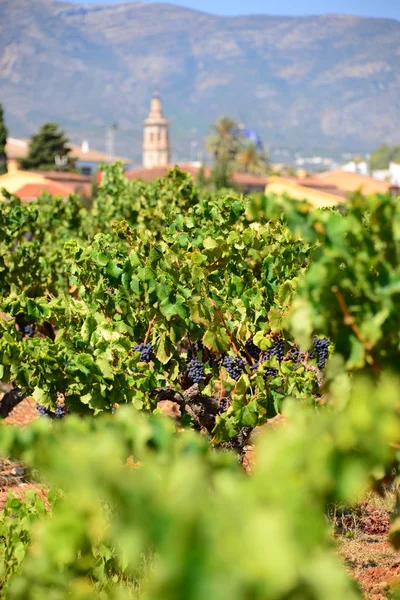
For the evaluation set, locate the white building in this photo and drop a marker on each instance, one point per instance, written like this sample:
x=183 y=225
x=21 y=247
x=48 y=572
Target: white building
x=87 y=161
x=394 y=173
x=361 y=167
x=381 y=174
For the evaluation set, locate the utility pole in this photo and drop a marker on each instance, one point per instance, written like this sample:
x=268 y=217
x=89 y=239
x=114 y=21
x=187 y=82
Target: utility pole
x=110 y=141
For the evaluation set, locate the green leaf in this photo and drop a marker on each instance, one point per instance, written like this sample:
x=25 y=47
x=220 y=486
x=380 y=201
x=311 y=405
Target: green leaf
x=250 y=414
x=357 y=354
x=163 y=350
x=105 y=368
x=216 y=339
x=209 y=243
x=102 y=259
x=113 y=270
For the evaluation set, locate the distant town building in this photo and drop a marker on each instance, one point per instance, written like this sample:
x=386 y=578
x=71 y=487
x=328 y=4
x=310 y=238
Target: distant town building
x=331 y=188
x=348 y=182
x=312 y=189
x=87 y=161
x=360 y=167
x=394 y=173
x=29 y=185
x=381 y=174
x=156 y=148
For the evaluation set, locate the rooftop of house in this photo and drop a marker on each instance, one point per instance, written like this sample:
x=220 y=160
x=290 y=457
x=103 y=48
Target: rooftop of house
x=29 y=184
x=352 y=182
x=31 y=191
x=17 y=148
x=67 y=176
x=307 y=188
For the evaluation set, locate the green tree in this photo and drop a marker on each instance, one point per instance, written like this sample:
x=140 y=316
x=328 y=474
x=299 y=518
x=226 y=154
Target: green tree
x=3 y=141
x=251 y=160
x=49 y=150
x=220 y=174
x=224 y=142
x=383 y=156
x=201 y=178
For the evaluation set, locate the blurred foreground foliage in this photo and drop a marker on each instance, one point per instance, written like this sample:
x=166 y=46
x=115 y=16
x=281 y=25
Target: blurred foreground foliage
x=139 y=510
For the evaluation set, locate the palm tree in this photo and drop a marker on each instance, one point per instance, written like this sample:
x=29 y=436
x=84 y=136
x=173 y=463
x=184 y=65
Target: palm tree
x=224 y=140
x=251 y=160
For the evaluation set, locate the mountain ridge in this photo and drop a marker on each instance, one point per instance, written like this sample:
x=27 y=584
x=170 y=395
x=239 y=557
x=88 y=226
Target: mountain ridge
x=330 y=81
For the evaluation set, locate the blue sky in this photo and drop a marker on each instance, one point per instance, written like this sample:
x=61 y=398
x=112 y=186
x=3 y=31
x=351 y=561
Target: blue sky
x=372 y=8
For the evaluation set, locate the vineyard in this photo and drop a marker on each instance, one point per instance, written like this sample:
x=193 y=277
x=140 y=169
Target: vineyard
x=214 y=374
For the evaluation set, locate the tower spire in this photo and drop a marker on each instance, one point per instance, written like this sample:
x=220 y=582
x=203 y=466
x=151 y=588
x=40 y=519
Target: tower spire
x=156 y=151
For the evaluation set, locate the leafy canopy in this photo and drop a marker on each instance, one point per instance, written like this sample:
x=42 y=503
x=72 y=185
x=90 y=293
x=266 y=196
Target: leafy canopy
x=49 y=150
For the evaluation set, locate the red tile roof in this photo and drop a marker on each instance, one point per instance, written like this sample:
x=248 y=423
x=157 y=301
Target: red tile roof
x=31 y=191
x=81 y=184
x=249 y=179
x=352 y=182
x=17 y=148
x=65 y=176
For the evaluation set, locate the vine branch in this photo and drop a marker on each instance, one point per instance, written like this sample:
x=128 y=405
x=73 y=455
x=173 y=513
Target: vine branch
x=351 y=322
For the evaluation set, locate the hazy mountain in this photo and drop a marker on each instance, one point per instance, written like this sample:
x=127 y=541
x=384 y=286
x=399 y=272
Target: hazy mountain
x=328 y=81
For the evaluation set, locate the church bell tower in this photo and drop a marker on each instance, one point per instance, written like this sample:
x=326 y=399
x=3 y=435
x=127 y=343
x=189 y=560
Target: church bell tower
x=156 y=151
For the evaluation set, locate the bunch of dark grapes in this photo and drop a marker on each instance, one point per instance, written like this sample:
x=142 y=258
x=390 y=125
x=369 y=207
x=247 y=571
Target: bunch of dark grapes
x=271 y=372
x=195 y=371
x=234 y=366
x=294 y=354
x=59 y=413
x=193 y=351
x=222 y=404
x=146 y=352
x=43 y=411
x=321 y=347
x=29 y=330
x=277 y=349
x=26 y=327
x=252 y=350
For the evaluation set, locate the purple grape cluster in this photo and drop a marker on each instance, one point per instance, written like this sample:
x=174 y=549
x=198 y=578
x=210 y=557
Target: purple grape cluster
x=195 y=371
x=222 y=404
x=234 y=366
x=146 y=352
x=252 y=350
x=321 y=348
x=194 y=350
x=27 y=328
x=277 y=349
x=271 y=372
x=294 y=354
x=59 y=413
x=43 y=411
